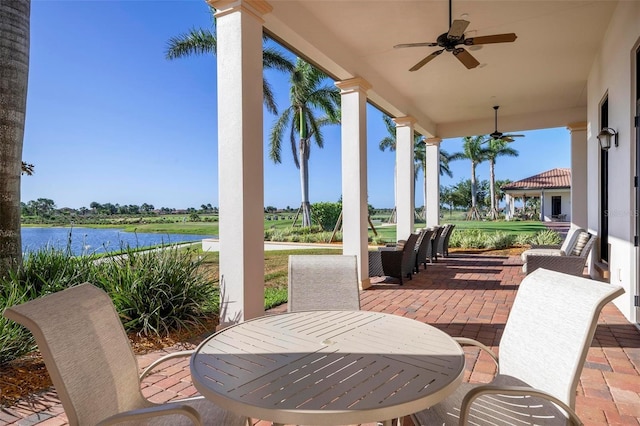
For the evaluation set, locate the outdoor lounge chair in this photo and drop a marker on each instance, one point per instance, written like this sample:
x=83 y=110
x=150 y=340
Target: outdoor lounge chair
x=424 y=243
x=323 y=282
x=399 y=262
x=93 y=368
x=570 y=258
x=542 y=352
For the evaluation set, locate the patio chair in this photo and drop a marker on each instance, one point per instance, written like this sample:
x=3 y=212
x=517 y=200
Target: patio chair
x=443 y=242
x=399 y=262
x=542 y=352
x=570 y=258
x=323 y=282
x=424 y=243
x=93 y=368
x=435 y=241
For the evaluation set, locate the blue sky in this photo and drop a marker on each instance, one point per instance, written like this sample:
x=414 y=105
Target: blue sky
x=109 y=119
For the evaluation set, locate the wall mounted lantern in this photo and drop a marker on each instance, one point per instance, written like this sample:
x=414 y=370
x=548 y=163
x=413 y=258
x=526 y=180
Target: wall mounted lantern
x=604 y=137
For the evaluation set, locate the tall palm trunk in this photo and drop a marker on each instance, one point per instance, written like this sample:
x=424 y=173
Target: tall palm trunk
x=304 y=183
x=492 y=189
x=473 y=213
x=14 y=72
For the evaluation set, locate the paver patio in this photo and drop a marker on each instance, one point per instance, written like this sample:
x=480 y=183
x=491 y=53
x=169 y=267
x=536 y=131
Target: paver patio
x=464 y=295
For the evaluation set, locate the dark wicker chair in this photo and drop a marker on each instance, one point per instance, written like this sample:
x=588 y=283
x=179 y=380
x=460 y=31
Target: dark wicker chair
x=424 y=242
x=435 y=239
x=443 y=241
x=400 y=263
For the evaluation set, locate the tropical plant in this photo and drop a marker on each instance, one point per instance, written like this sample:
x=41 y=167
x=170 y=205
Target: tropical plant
x=199 y=41
x=496 y=148
x=474 y=151
x=309 y=93
x=14 y=72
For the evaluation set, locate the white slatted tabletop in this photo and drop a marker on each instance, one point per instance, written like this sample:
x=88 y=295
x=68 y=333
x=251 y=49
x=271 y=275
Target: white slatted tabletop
x=327 y=367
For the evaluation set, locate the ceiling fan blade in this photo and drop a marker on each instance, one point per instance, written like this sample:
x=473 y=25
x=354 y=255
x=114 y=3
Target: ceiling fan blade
x=457 y=29
x=466 y=58
x=506 y=138
x=420 y=64
x=429 y=44
x=514 y=136
x=496 y=38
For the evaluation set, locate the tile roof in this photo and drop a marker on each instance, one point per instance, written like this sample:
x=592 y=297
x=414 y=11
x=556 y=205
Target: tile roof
x=554 y=178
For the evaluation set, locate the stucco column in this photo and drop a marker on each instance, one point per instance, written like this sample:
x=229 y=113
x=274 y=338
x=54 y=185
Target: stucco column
x=240 y=158
x=579 y=193
x=355 y=212
x=433 y=181
x=405 y=198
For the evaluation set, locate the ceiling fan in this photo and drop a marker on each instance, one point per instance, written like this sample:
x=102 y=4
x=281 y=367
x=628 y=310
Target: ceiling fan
x=450 y=41
x=499 y=135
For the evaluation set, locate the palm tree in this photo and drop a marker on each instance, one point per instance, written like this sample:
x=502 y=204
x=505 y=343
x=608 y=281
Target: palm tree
x=200 y=41
x=419 y=154
x=497 y=148
x=309 y=92
x=476 y=153
x=14 y=71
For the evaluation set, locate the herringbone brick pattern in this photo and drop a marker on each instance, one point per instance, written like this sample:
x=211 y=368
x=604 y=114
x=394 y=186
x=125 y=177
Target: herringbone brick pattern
x=464 y=295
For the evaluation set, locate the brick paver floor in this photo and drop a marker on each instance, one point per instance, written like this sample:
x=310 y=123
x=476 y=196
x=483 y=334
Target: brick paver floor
x=464 y=295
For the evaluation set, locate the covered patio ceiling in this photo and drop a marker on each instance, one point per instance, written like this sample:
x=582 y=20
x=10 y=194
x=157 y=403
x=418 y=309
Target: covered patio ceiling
x=539 y=81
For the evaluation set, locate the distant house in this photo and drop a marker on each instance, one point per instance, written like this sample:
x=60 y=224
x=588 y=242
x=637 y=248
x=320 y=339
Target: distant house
x=553 y=187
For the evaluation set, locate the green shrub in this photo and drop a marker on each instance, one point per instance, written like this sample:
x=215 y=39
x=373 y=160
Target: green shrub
x=326 y=214
x=467 y=238
x=546 y=237
x=499 y=240
x=157 y=291
x=523 y=239
x=15 y=340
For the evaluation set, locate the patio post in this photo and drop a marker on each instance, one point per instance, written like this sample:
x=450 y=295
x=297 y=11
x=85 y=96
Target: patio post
x=433 y=181
x=405 y=207
x=240 y=158
x=579 y=193
x=355 y=211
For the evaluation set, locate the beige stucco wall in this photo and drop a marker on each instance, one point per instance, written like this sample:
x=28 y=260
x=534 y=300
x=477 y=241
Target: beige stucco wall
x=612 y=74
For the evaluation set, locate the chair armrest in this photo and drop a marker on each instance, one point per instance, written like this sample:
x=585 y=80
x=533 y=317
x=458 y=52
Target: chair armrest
x=163 y=359
x=465 y=341
x=573 y=265
x=546 y=246
x=512 y=391
x=156 y=411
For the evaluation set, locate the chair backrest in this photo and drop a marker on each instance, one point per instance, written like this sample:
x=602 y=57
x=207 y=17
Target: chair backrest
x=323 y=282
x=86 y=351
x=570 y=240
x=550 y=328
x=441 y=238
x=409 y=253
x=424 y=244
x=582 y=244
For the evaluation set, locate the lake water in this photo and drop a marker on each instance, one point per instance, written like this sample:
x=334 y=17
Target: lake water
x=90 y=240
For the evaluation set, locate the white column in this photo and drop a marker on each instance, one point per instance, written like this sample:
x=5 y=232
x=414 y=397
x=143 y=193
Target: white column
x=354 y=173
x=579 y=193
x=433 y=181
x=405 y=197
x=240 y=158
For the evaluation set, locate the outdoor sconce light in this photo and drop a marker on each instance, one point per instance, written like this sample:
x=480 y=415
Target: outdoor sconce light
x=604 y=137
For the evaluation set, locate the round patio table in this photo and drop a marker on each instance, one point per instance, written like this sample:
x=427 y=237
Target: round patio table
x=327 y=367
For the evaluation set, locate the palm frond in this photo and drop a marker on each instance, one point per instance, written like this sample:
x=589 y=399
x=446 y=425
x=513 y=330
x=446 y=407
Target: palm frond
x=269 y=98
x=195 y=42
x=273 y=58
x=275 y=137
